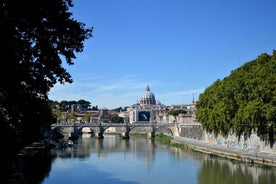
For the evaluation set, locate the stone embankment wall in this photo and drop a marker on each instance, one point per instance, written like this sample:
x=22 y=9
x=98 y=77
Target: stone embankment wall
x=253 y=143
x=193 y=132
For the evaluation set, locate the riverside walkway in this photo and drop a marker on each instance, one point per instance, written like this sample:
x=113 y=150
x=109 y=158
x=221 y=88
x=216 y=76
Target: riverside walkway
x=249 y=156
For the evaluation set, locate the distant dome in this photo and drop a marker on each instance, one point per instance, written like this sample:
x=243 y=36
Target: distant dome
x=148 y=97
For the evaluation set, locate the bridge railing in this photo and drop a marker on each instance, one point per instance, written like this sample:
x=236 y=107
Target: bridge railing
x=71 y=124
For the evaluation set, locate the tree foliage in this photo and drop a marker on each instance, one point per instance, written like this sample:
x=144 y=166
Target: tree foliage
x=87 y=117
x=117 y=119
x=66 y=105
x=36 y=36
x=242 y=102
x=84 y=104
x=177 y=112
x=118 y=109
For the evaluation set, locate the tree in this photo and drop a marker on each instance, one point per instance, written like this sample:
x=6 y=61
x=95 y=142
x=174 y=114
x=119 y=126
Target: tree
x=87 y=117
x=177 y=112
x=242 y=102
x=36 y=37
x=118 y=109
x=73 y=116
x=57 y=114
x=64 y=105
x=117 y=119
x=84 y=104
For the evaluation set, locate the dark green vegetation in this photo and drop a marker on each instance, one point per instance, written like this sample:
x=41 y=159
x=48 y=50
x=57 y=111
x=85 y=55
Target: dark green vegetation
x=176 y=112
x=243 y=102
x=120 y=109
x=36 y=37
x=117 y=119
x=163 y=138
x=66 y=105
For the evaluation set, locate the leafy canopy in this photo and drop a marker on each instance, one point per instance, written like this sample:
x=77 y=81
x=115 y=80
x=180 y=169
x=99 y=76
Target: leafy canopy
x=243 y=102
x=177 y=112
x=36 y=37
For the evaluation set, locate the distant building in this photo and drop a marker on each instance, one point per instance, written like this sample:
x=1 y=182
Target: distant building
x=148 y=110
x=94 y=116
x=104 y=115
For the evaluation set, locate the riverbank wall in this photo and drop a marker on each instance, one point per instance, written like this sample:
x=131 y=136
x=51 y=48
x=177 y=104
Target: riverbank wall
x=246 y=156
x=246 y=143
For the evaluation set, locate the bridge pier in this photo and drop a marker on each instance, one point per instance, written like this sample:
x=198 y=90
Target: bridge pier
x=125 y=135
x=150 y=135
x=99 y=131
x=99 y=135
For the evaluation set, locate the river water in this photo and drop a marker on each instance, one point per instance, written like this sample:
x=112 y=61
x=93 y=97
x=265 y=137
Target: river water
x=138 y=160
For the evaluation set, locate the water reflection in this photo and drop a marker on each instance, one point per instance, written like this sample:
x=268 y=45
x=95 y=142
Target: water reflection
x=139 y=147
x=25 y=170
x=138 y=160
x=217 y=171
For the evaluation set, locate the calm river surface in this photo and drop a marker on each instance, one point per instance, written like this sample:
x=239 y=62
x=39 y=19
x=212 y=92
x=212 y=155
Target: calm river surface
x=144 y=161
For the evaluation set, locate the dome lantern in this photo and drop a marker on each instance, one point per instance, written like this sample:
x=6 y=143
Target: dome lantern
x=148 y=97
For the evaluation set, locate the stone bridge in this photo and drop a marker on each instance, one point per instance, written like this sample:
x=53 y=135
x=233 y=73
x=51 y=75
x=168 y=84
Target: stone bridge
x=98 y=129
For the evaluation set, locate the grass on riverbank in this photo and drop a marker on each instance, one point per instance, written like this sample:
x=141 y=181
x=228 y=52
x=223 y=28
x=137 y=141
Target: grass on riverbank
x=163 y=138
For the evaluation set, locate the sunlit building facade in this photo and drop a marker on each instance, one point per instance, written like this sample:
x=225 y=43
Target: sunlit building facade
x=147 y=110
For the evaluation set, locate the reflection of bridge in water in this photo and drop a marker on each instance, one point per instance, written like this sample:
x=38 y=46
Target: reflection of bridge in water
x=98 y=129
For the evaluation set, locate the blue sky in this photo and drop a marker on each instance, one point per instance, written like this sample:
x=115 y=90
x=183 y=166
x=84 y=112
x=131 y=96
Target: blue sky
x=177 y=47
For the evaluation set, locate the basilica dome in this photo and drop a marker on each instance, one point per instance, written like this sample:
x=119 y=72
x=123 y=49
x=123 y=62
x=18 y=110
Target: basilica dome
x=147 y=98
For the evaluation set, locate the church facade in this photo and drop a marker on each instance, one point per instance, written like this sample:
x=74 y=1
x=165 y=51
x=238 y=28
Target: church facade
x=147 y=110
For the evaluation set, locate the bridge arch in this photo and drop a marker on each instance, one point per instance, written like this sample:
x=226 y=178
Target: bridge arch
x=85 y=129
x=108 y=127
x=165 y=127
x=124 y=129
